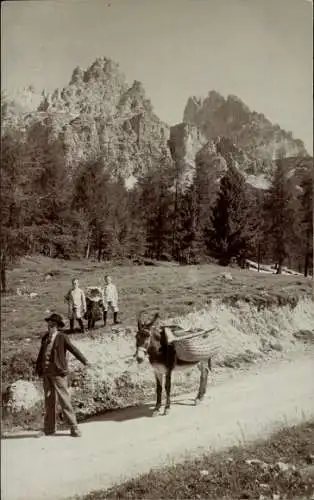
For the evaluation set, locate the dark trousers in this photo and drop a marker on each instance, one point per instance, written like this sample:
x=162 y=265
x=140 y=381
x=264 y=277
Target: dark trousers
x=56 y=388
x=80 y=322
x=115 y=318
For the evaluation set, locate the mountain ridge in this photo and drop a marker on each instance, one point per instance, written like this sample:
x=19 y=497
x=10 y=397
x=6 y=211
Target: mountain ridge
x=99 y=115
x=232 y=118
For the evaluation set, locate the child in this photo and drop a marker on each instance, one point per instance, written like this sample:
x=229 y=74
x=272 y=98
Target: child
x=110 y=298
x=77 y=305
x=51 y=365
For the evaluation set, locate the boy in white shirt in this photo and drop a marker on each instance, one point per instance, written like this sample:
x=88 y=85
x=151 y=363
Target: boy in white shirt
x=110 y=298
x=77 y=305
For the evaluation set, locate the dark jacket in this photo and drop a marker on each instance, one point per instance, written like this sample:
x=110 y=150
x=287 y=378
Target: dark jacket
x=58 y=362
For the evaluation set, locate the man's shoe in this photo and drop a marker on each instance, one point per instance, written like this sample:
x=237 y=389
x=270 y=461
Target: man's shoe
x=75 y=432
x=44 y=433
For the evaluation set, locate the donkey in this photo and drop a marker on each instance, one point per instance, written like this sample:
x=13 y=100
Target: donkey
x=162 y=356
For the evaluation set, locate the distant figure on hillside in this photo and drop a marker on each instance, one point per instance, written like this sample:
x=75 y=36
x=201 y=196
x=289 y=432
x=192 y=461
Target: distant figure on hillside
x=110 y=299
x=77 y=305
x=51 y=365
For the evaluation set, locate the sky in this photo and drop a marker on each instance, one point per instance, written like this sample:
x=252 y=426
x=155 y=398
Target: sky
x=259 y=50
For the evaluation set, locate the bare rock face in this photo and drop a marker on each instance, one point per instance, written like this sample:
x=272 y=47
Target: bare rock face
x=98 y=115
x=192 y=151
x=211 y=158
x=184 y=143
x=248 y=130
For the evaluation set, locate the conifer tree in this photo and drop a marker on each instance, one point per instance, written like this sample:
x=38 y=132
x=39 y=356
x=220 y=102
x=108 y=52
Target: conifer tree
x=306 y=219
x=230 y=233
x=281 y=208
x=17 y=203
x=156 y=196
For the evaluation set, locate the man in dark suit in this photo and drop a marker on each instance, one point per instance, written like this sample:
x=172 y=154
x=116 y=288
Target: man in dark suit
x=52 y=366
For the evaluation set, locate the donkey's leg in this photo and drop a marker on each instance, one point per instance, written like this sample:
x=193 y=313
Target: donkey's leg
x=204 y=368
x=158 y=377
x=209 y=364
x=168 y=391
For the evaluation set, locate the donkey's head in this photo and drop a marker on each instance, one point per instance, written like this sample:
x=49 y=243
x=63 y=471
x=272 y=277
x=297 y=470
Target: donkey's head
x=143 y=337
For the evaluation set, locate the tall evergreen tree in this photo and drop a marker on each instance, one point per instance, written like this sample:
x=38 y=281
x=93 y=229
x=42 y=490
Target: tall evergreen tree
x=281 y=208
x=159 y=230
x=260 y=243
x=156 y=199
x=91 y=200
x=306 y=219
x=190 y=237
x=17 y=203
x=230 y=233
x=53 y=187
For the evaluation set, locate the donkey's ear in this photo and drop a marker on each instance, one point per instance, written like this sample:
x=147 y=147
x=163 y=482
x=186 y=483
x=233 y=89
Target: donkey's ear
x=154 y=319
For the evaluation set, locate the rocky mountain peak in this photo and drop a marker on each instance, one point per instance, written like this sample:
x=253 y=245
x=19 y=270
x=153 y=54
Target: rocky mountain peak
x=103 y=69
x=233 y=100
x=96 y=90
x=248 y=130
x=77 y=76
x=214 y=98
x=99 y=115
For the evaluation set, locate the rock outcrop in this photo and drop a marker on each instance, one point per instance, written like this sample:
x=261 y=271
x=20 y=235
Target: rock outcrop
x=184 y=143
x=191 y=151
x=216 y=131
x=98 y=115
x=248 y=130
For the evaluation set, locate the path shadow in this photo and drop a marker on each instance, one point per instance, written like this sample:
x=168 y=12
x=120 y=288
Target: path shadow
x=134 y=412
x=123 y=414
x=34 y=435
x=76 y=331
x=21 y=436
x=98 y=329
x=187 y=402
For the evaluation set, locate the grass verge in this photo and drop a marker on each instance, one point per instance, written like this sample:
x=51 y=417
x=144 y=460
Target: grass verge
x=282 y=467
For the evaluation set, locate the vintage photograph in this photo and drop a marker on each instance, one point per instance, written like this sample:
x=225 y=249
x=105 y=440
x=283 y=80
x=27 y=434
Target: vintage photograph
x=156 y=237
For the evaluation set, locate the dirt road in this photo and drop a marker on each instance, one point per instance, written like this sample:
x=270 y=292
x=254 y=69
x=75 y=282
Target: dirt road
x=130 y=442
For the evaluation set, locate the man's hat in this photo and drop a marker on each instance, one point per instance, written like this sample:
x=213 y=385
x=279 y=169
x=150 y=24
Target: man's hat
x=56 y=318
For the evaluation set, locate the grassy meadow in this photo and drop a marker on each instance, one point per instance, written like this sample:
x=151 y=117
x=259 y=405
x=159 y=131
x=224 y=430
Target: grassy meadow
x=171 y=290
x=255 y=315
